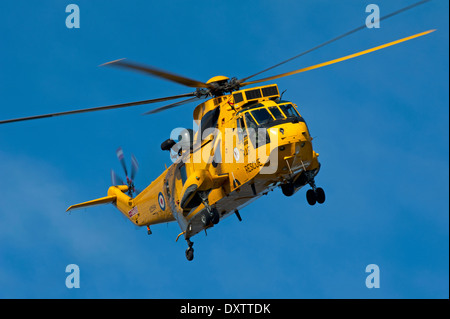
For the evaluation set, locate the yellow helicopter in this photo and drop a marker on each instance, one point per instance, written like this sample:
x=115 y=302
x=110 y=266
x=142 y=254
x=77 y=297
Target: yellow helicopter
x=248 y=142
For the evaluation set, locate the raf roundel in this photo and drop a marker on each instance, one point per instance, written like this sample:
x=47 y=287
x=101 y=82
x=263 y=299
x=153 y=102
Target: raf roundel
x=161 y=201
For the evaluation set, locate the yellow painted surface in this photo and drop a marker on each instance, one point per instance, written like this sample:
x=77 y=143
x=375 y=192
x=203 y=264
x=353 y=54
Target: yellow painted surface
x=229 y=185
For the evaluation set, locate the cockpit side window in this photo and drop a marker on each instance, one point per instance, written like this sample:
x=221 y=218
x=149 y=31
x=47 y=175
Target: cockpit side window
x=250 y=121
x=257 y=137
x=289 y=110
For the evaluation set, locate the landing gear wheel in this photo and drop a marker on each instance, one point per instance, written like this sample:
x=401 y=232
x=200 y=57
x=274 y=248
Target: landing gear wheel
x=215 y=217
x=320 y=195
x=288 y=189
x=205 y=218
x=190 y=253
x=190 y=250
x=311 y=197
x=212 y=215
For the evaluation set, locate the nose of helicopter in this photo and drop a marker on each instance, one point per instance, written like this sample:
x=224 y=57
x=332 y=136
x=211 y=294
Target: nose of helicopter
x=294 y=150
x=288 y=133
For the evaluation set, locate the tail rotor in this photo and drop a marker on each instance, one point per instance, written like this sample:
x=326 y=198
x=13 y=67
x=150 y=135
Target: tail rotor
x=116 y=180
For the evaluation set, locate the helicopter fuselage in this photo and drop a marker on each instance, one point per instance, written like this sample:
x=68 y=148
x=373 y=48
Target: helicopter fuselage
x=247 y=144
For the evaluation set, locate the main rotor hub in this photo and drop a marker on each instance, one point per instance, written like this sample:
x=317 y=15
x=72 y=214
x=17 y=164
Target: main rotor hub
x=219 y=85
x=218 y=78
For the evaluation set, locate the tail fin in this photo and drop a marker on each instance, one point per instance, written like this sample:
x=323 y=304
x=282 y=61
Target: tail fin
x=95 y=202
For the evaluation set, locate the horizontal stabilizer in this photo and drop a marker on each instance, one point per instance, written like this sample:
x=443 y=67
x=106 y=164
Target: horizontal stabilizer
x=95 y=202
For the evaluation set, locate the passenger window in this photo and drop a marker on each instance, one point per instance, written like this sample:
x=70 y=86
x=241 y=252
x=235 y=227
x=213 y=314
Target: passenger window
x=242 y=133
x=209 y=120
x=183 y=173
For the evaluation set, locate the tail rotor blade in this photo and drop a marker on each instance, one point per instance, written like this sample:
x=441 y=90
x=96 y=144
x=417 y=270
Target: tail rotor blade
x=119 y=153
x=130 y=179
x=116 y=180
x=134 y=167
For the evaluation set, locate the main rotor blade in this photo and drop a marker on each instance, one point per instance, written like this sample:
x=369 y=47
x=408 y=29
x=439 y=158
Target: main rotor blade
x=99 y=108
x=338 y=60
x=157 y=72
x=166 y=107
x=336 y=38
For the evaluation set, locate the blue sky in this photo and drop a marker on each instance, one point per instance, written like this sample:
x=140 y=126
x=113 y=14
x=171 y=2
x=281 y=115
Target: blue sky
x=380 y=124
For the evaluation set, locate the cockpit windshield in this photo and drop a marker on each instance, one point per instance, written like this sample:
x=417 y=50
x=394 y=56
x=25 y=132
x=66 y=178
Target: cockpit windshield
x=262 y=116
x=276 y=112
